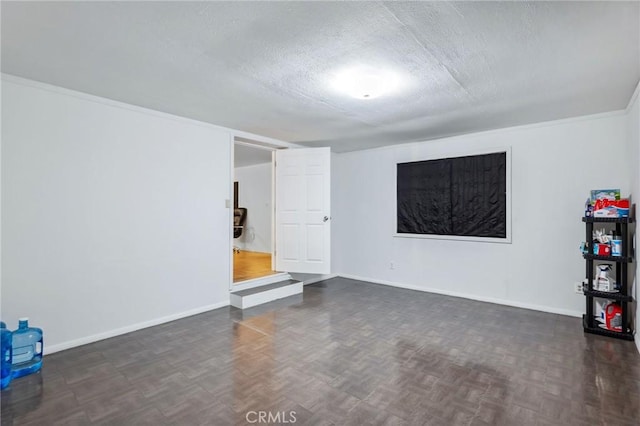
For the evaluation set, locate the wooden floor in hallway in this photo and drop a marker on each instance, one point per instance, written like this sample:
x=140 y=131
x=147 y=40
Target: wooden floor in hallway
x=248 y=265
x=344 y=352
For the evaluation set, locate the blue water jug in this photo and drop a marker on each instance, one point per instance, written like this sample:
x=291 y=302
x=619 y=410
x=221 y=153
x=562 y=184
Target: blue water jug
x=5 y=352
x=27 y=349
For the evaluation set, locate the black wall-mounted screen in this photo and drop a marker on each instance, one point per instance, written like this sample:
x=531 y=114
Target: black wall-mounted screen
x=462 y=196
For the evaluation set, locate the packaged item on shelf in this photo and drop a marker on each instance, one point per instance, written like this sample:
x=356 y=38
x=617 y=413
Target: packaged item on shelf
x=583 y=248
x=622 y=206
x=611 y=208
x=601 y=236
x=613 y=315
x=588 y=208
x=601 y=249
x=604 y=194
x=616 y=247
x=603 y=281
x=601 y=307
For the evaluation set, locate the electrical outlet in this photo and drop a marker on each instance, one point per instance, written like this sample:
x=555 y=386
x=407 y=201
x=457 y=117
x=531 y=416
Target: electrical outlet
x=578 y=287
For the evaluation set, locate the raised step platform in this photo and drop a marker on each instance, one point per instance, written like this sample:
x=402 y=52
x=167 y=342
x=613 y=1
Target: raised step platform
x=249 y=298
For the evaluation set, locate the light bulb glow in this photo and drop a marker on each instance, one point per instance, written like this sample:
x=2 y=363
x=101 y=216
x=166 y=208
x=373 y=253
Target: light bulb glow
x=365 y=82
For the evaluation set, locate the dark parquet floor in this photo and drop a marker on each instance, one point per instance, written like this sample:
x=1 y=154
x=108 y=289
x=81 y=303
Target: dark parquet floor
x=343 y=353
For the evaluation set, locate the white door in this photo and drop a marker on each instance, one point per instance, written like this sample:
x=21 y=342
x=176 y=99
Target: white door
x=303 y=210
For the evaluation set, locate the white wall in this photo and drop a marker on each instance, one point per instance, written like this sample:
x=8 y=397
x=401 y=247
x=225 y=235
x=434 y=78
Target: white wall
x=254 y=193
x=634 y=166
x=113 y=217
x=553 y=169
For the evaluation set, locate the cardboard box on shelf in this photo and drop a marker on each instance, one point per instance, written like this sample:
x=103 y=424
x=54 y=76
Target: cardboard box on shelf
x=604 y=194
x=611 y=208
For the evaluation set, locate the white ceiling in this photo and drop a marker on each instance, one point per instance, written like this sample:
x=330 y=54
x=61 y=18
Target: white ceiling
x=265 y=67
x=244 y=155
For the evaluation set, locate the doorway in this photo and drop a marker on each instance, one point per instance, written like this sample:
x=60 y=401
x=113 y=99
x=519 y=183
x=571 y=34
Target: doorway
x=253 y=212
x=288 y=212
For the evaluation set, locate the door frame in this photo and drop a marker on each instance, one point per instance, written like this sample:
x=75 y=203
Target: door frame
x=270 y=145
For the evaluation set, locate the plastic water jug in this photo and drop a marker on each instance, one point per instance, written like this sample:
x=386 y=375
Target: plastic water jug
x=5 y=352
x=27 y=349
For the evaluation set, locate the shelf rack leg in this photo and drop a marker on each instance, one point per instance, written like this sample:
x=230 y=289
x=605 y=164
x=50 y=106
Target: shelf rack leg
x=589 y=299
x=625 y=275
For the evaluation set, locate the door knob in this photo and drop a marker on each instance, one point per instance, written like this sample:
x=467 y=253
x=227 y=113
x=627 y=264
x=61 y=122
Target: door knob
x=326 y=218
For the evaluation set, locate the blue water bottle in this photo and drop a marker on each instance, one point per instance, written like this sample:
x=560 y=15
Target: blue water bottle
x=5 y=352
x=27 y=349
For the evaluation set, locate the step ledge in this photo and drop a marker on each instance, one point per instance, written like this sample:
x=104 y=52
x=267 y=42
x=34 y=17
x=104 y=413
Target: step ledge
x=259 y=282
x=249 y=298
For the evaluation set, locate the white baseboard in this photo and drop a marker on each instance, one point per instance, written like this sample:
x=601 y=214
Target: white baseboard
x=128 y=329
x=515 y=304
x=318 y=279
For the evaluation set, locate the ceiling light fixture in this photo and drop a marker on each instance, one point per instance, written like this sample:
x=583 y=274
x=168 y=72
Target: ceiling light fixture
x=365 y=82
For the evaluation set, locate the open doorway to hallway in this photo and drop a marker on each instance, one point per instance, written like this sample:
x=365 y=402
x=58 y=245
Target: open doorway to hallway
x=253 y=212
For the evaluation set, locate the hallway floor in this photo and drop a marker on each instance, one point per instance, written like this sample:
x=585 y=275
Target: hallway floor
x=343 y=353
x=248 y=265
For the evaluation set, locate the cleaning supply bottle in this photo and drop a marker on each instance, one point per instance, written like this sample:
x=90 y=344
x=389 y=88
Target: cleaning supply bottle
x=603 y=281
x=613 y=314
x=27 y=349
x=6 y=354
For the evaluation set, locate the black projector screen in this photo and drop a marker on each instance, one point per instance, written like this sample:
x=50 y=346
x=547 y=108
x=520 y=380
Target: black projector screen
x=461 y=196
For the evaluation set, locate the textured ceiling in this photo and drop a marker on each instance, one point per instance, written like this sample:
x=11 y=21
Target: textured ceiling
x=265 y=67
